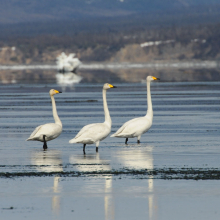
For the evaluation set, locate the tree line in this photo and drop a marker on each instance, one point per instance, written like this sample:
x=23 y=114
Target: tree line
x=108 y=41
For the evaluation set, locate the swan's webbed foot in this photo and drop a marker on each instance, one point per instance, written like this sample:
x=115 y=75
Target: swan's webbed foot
x=97 y=149
x=84 y=146
x=45 y=143
x=138 y=141
x=126 y=141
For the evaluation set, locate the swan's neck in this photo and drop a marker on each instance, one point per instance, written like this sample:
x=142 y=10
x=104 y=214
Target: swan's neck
x=149 y=102
x=55 y=115
x=106 y=111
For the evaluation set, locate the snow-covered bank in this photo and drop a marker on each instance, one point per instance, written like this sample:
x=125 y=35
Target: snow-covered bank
x=100 y=66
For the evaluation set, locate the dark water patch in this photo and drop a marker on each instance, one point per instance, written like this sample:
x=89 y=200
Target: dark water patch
x=157 y=173
x=81 y=101
x=57 y=165
x=181 y=131
x=44 y=105
x=10 y=208
x=188 y=109
x=42 y=100
x=15 y=96
x=196 y=94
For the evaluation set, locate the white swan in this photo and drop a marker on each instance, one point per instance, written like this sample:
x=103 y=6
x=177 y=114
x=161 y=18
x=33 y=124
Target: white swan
x=138 y=126
x=49 y=131
x=67 y=63
x=94 y=133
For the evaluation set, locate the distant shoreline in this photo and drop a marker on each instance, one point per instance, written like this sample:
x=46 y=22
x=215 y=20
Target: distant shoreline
x=101 y=66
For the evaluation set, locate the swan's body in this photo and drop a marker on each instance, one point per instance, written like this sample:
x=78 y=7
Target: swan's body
x=94 y=133
x=67 y=63
x=50 y=131
x=138 y=126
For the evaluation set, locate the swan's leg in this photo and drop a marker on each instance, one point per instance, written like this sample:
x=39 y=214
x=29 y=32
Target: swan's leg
x=97 y=146
x=84 y=146
x=45 y=143
x=126 y=141
x=138 y=139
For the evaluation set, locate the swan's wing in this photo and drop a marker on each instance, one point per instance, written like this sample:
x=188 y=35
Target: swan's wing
x=83 y=130
x=98 y=131
x=120 y=130
x=134 y=128
x=51 y=131
x=92 y=133
x=34 y=132
x=139 y=126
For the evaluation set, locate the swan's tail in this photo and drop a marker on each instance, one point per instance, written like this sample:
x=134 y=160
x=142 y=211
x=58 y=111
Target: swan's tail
x=83 y=141
x=116 y=134
x=122 y=135
x=113 y=135
x=72 y=141
x=31 y=139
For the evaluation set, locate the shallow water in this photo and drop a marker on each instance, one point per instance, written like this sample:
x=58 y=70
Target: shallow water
x=120 y=181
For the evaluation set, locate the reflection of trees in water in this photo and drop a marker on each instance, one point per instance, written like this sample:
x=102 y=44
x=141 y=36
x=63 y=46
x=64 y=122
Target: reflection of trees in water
x=50 y=76
x=27 y=76
x=100 y=76
x=117 y=75
x=136 y=75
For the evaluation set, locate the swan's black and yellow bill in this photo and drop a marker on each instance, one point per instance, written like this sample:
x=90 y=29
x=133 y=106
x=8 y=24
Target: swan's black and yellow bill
x=154 y=78
x=57 y=91
x=111 y=86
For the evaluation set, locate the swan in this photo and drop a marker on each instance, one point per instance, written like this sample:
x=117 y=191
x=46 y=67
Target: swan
x=138 y=126
x=48 y=132
x=94 y=133
x=67 y=63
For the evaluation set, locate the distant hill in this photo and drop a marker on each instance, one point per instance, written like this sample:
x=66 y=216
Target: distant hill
x=23 y=11
x=103 y=30
x=186 y=43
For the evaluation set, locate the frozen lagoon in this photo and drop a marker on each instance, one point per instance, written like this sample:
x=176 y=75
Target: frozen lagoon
x=114 y=183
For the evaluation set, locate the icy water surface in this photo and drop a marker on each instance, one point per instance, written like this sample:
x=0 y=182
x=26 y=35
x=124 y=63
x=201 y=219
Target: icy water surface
x=173 y=174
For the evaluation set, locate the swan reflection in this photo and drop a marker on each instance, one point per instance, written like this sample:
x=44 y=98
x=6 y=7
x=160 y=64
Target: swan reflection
x=139 y=159
x=109 y=202
x=89 y=162
x=67 y=79
x=50 y=161
x=47 y=161
x=93 y=162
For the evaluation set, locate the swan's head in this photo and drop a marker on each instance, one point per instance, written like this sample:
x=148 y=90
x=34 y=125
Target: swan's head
x=108 y=86
x=53 y=92
x=152 y=78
